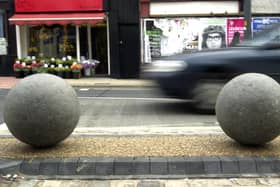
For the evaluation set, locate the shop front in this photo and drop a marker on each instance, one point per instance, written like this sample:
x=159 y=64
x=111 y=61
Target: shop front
x=175 y=27
x=62 y=32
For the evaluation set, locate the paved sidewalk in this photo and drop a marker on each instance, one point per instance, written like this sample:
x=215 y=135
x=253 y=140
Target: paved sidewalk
x=8 y=82
x=231 y=182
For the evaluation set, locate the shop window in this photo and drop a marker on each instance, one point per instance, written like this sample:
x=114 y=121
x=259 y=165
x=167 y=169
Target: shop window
x=3 y=40
x=1 y=25
x=52 y=41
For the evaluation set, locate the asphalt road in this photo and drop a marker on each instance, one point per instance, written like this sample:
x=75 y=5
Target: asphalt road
x=107 y=107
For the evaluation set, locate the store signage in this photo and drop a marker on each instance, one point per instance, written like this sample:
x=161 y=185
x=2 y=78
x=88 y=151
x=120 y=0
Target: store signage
x=265 y=7
x=3 y=46
x=260 y=23
x=29 y=6
x=194 y=8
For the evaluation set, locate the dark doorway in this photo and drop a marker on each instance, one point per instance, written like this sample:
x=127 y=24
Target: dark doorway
x=129 y=50
x=99 y=48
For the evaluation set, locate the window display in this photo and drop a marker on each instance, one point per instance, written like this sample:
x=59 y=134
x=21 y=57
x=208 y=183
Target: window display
x=52 y=41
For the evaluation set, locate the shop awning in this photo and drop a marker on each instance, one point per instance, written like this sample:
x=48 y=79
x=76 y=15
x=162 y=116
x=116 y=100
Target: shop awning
x=58 y=18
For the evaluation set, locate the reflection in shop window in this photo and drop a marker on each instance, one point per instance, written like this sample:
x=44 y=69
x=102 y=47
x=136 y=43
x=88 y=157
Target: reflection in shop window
x=52 y=41
x=1 y=25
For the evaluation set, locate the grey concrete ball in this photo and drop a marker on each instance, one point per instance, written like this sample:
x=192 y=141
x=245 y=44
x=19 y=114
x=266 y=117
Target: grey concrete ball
x=248 y=109
x=41 y=110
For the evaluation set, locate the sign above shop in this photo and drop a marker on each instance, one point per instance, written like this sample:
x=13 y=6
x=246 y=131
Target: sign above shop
x=35 y=6
x=265 y=7
x=192 y=8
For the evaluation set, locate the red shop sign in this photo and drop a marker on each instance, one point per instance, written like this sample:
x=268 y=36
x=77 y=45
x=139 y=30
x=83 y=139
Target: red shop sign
x=29 y=6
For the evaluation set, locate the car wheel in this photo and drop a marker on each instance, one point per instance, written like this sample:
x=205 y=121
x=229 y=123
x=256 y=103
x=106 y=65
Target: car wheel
x=205 y=94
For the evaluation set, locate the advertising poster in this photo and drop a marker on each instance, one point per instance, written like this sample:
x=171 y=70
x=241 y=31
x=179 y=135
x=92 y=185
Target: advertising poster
x=212 y=33
x=259 y=24
x=235 y=31
x=165 y=37
x=154 y=38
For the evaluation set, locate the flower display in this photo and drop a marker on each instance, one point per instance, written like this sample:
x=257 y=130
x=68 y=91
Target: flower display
x=76 y=67
x=35 y=66
x=17 y=66
x=88 y=65
x=59 y=66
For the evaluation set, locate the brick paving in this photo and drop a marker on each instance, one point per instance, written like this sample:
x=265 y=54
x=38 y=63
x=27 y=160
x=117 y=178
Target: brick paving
x=8 y=82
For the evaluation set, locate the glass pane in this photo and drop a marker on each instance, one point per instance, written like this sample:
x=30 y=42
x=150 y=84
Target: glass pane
x=84 y=42
x=1 y=25
x=52 y=41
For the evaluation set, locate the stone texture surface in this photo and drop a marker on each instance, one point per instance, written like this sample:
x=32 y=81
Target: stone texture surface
x=232 y=182
x=248 y=109
x=41 y=110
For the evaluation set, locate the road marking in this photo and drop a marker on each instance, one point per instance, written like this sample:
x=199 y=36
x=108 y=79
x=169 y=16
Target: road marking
x=134 y=98
x=84 y=89
x=3 y=126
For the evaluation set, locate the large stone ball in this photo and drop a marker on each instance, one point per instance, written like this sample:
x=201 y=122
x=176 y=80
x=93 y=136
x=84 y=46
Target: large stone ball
x=248 y=109
x=41 y=110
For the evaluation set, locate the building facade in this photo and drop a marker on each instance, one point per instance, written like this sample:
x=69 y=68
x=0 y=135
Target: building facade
x=122 y=34
x=7 y=38
x=104 y=30
x=172 y=27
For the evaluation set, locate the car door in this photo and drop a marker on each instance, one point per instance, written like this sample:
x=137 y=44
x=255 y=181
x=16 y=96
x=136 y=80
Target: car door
x=266 y=58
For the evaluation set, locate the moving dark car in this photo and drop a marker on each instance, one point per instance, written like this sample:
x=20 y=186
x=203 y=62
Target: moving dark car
x=200 y=76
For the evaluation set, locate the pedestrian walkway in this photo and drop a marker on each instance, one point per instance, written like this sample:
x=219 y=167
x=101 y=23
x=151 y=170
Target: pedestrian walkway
x=8 y=82
x=231 y=182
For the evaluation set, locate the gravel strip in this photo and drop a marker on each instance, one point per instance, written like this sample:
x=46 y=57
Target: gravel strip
x=163 y=146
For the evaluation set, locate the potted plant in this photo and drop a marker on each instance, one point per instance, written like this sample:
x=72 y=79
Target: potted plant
x=43 y=69
x=26 y=69
x=67 y=72
x=95 y=64
x=59 y=71
x=35 y=67
x=51 y=70
x=76 y=70
x=87 y=68
x=18 y=69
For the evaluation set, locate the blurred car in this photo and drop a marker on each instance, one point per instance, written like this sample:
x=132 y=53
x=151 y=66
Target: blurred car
x=200 y=76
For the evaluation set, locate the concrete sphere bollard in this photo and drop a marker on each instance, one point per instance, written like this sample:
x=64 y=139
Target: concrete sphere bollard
x=41 y=110
x=248 y=109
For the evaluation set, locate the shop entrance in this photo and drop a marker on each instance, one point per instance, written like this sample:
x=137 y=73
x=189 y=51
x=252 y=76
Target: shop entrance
x=93 y=45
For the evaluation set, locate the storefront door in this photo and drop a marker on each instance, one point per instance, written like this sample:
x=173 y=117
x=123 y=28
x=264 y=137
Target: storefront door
x=99 y=48
x=128 y=43
x=93 y=45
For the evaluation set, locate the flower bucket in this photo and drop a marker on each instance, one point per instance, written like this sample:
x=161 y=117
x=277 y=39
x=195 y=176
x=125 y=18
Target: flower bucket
x=93 y=71
x=87 y=72
x=18 y=74
x=60 y=74
x=67 y=74
x=76 y=75
x=26 y=73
